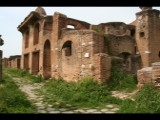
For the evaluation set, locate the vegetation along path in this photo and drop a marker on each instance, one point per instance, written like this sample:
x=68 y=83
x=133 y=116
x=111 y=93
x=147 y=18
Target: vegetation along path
x=85 y=96
x=42 y=107
x=69 y=97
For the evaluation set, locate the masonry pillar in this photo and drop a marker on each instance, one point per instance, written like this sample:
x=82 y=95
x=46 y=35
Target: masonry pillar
x=102 y=64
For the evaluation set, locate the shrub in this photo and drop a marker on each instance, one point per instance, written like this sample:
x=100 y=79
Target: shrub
x=121 y=81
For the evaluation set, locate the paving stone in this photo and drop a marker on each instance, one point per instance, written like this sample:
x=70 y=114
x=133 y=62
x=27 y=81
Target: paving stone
x=115 y=109
x=91 y=110
x=109 y=112
x=54 y=112
x=57 y=103
x=97 y=112
x=49 y=105
x=68 y=105
x=50 y=109
x=39 y=104
x=80 y=110
x=62 y=109
x=109 y=106
x=40 y=99
x=104 y=110
x=42 y=111
x=41 y=108
x=68 y=112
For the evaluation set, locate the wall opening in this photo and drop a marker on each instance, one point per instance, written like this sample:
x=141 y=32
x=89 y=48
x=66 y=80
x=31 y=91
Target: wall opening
x=26 y=62
x=27 y=38
x=47 y=60
x=159 y=54
x=125 y=55
x=132 y=33
x=36 y=34
x=141 y=34
x=126 y=61
x=67 y=48
x=70 y=26
x=35 y=62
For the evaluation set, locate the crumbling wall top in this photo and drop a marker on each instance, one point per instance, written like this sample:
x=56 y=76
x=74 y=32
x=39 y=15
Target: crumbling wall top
x=144 y=8
x=40 y=10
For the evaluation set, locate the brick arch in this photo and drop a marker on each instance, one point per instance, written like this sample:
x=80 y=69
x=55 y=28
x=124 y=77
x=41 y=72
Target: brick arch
x=67 y=48
x=47 y=60
x=26 y=43
x=77 y=24
x=65 y=43
x=36 y=33
x=69 y=62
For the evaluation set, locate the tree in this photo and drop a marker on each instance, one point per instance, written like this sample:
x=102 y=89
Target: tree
x=1 y=41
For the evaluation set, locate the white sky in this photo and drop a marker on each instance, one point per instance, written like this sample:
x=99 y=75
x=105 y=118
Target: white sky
x=11 y=17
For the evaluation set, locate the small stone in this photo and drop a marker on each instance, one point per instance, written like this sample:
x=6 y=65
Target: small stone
x=109 y=106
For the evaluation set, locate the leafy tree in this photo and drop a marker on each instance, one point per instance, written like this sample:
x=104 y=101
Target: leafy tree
x=1 y=41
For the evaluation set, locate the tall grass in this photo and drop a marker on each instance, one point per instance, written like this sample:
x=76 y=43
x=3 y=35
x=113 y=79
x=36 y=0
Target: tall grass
x=85 y=93
x=23 y=73
x=12 y=100
x=120 y=80
x=147 y=100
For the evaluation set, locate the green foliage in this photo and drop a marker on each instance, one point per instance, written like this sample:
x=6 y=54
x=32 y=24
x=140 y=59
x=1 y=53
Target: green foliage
x=85 y=93
x=16 y=72
x=120 y=80
x=3 y=107
x=147 y=100
x=98 y=30
x=128 y=106
x=24 y=74
x=1 y=41
x=38 y=79
x=12 y=100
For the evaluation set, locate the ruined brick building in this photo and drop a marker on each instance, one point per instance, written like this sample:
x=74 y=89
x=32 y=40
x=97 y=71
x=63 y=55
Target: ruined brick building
x=51 y=48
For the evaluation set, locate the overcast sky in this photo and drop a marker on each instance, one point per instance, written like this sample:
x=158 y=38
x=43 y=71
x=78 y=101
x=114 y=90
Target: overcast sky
x=11 y=17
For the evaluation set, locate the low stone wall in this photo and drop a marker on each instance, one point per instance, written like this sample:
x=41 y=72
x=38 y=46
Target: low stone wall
x=144 y=75
x=155 y=70
x=149 y=74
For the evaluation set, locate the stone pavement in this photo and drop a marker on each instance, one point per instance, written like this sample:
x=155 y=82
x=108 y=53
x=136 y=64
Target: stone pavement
x=42 y=107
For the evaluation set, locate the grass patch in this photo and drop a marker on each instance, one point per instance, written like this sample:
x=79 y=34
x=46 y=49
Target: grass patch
x=121 y=81
x=85 y=93
x=23 y=74
x=12 y=100
x=147 y=100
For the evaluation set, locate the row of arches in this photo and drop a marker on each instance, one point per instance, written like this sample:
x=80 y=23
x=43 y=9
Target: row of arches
x=36 y=35
x=66 y=50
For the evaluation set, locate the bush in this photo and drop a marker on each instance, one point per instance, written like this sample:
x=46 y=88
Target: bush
x=121 y=81
x=147 y=100
x=85 y=93
x=12 y=100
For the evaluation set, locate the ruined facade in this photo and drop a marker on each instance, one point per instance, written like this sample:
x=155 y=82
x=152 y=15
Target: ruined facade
x=51 y=48
x=12 y=61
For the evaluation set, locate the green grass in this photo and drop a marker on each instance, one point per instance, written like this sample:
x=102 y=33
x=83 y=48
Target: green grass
x=86 y=93
x=147 y=100
x=23 y=74
x=121 y=81
x=12 y=100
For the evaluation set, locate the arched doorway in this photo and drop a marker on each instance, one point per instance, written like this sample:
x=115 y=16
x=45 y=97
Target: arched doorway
x=126 y=60
x=47 y=60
